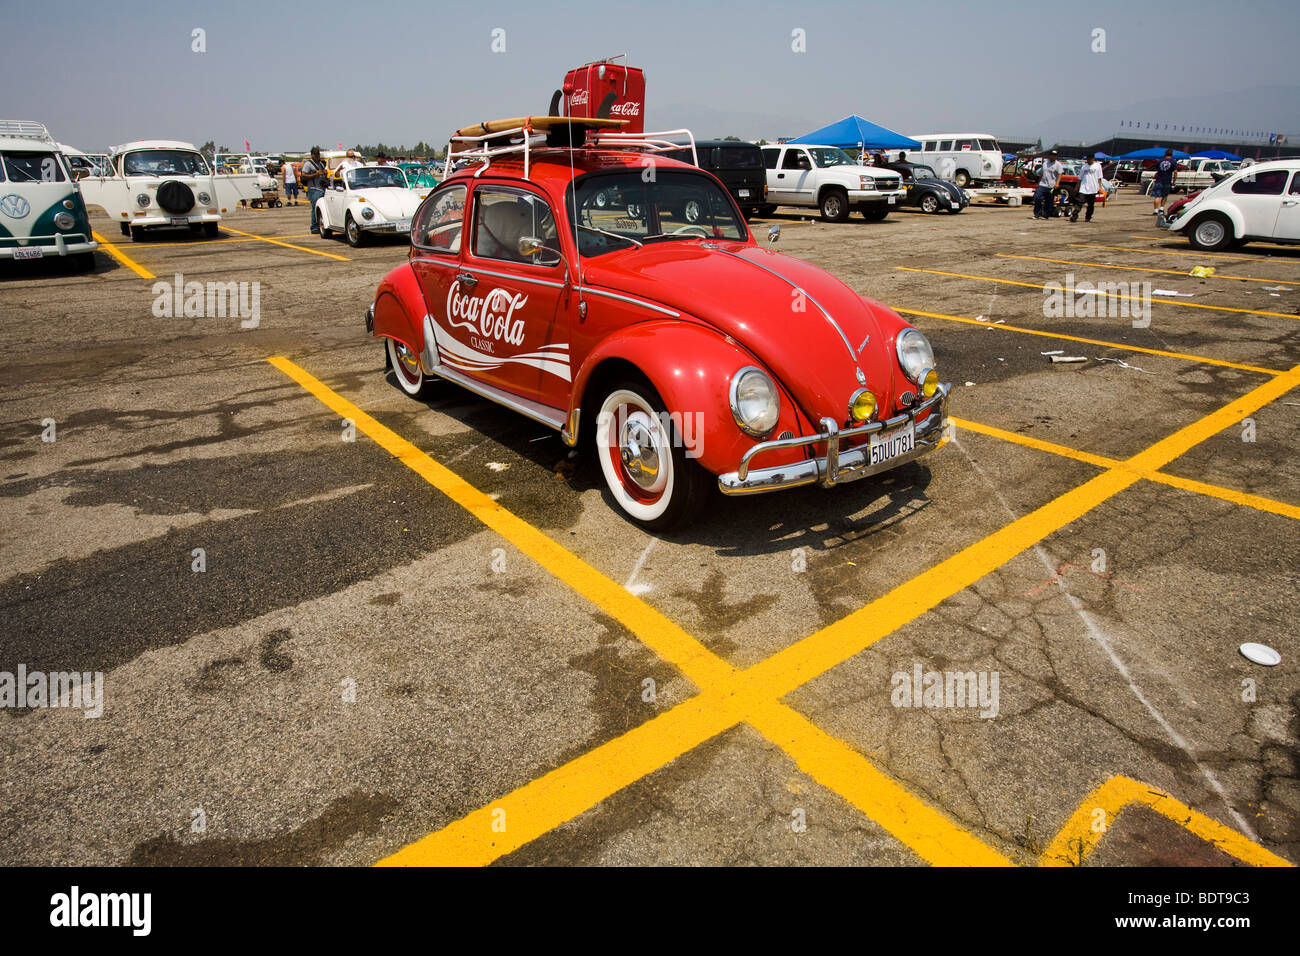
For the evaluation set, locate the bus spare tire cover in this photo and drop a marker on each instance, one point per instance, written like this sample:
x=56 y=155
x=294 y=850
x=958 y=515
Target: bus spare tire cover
x=175 y=196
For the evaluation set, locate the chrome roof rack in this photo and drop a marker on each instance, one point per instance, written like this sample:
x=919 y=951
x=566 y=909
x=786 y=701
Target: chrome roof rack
x=480 y=146
x=25 y=129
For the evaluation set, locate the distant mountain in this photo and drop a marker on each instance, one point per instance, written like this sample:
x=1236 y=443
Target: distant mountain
x=1274 y=109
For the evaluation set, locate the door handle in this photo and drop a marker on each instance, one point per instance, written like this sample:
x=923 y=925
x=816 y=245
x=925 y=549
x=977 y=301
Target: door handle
x=780 y=175
x=467 y=279
x=1290 y=202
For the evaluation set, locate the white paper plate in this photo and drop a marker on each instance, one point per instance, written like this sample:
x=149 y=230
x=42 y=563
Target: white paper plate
x=1260 y=654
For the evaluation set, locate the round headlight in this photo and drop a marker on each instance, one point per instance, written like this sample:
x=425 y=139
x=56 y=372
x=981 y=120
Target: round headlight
x=863 y=405
x=64 y=220
x=929 y=382
x=142 y=200
x=204 y=199
x=914 y=354
x=367 y=212
x=755 y=403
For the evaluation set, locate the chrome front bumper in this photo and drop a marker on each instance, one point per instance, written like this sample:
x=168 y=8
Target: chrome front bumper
x=838 y=466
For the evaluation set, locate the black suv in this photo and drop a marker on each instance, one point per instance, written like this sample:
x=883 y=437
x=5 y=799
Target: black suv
x=738 y=165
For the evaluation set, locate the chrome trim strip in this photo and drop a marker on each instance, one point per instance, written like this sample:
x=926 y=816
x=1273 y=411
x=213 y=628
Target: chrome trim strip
x=517 y=278
x=838 y=466
x=544 y=414
x=844 y=338
x=627 y=298
x=429 y=358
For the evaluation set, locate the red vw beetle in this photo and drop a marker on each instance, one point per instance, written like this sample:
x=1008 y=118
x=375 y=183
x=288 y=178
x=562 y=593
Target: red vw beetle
x=618 y=296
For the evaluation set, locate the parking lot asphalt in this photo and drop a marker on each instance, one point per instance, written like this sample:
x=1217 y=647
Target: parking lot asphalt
x=339 y=626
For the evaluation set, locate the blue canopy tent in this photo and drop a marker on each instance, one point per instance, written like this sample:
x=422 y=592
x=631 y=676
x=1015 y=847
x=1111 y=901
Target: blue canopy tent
x=853 y=132
x=1154 y=152
x=1103 y=156
x=1216 y=154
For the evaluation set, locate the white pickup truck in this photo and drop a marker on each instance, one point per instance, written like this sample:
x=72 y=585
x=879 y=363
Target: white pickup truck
x=1202 y=174
x=829 y=179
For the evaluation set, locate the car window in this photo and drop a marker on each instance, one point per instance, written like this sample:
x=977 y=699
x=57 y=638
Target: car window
x=503 y=215
x=737 y=157
x=965 y=144
x=1268 y=183
x=770 y=157
x=946 y=146
x=795 y=159
x=164 y=162
x=34 y=166
x=439 y=220
x=376 y=177
x=1295 y=185
x=929 y=145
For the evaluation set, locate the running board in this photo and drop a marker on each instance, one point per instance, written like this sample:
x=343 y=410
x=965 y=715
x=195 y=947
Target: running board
x=544 y=414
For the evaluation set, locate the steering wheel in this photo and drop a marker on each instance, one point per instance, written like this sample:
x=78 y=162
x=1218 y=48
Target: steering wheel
x=704 y=233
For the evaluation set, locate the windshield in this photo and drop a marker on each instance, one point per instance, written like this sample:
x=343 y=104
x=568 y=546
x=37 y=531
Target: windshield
x=828 y=156
x=620 y=211
x=376 y=177
x=164 y=162
x=32 y=167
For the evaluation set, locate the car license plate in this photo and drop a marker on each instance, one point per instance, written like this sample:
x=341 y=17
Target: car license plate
x=891 y=199
x=402 y=225
x=886 y=446
x=744 y=194
x=180 y=220
x=31 y=252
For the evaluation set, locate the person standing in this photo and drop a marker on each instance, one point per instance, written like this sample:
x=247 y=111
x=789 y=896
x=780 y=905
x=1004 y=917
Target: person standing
x=1050 y=176
x=314 y=173
x=1089 y=183
x=1163 y=183
x=290 y=184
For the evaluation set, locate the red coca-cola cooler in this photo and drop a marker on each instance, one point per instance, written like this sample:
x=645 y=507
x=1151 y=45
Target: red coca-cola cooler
x=606 y=89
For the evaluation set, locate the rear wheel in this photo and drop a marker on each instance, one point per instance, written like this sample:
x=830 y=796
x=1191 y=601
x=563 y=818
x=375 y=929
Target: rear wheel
x=1211 y=232
x=962 y=179
x=643 y=459
x=835 y=205
x=405 y=364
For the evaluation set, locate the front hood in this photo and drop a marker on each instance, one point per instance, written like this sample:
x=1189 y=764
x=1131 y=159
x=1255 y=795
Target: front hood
x=752 y=295
x=391 y=202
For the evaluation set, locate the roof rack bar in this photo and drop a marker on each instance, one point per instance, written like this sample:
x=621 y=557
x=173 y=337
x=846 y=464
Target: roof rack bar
x=656 y=142
x=25 y=129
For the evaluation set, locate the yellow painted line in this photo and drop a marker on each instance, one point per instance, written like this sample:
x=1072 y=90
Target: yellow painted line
x=207 y=242
x=660 y=634
x=1244 y=498
x=1077 y=840
x=537 y=808
x=1109 y=295
x=837 y=766
x=123 y=258
x=1122 y=346
x=565 y=793
x=1171 y=272
x=288 y=245
x=1273 y=246
x=1163 y=252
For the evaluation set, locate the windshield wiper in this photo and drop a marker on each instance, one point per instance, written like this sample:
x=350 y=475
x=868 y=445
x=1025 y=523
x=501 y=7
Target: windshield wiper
x=612 y=235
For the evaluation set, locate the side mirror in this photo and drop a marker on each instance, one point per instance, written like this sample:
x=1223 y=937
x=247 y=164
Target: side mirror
x=773 y=235
x=530 y=246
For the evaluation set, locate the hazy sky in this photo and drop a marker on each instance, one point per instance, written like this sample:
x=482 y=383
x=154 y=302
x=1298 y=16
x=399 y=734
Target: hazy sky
x=287 y=74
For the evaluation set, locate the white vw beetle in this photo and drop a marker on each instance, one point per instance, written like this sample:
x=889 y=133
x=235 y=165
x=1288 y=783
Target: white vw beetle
x=161 y=182
x=365 y=199
x=1261 y=202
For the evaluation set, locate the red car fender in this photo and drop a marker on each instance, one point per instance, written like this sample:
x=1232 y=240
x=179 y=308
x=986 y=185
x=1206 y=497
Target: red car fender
x=400 y=308
x=691 y=367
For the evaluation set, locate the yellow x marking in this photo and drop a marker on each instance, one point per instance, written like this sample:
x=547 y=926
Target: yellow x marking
x=729 y=697
x=288 y=245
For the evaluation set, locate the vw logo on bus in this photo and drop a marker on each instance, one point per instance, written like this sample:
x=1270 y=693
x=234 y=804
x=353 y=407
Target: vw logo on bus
x=14 y=206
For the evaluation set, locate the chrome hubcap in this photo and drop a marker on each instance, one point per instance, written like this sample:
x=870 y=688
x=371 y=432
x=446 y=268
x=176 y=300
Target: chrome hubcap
x=1210 y=233
x=639 y=450
x=410 y=364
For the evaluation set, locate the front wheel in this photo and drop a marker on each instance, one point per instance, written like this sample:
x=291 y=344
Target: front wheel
x=356 y=238
x=1210 y=233
x=835 y=206
x=962 y=179
x=929 y=203
x=643 y=459
x=406 y=369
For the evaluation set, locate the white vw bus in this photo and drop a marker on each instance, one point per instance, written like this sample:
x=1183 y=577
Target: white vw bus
x=963 y=158
x=159 y=182
x=41 y=210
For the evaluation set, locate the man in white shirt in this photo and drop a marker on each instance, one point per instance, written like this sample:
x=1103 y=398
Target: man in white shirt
x=1051 y=175
x=350 y=162
x=1089 y=184
x=290 y=184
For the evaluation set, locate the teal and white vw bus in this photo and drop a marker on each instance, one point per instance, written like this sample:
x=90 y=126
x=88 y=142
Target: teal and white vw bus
x=42 y=213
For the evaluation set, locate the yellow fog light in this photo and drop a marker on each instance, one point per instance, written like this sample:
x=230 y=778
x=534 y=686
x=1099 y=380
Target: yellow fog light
x=929 y=382
x=863 y=405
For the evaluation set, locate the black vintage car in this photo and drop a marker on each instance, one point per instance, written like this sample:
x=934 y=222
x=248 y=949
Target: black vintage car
x=739 y=166
x=927 y=190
